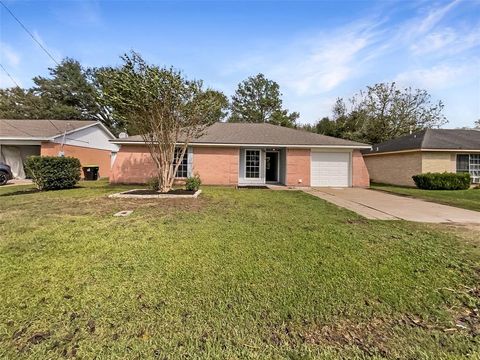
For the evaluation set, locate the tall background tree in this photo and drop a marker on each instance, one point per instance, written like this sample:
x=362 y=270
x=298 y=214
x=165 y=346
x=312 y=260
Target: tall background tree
x=382 y=112
x=258 y=100
x=69 y=92
x=161 y=105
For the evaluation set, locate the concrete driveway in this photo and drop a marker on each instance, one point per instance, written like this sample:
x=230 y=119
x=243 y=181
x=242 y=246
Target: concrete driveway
x=382 y=206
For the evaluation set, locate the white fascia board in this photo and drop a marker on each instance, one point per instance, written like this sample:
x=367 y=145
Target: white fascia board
x=258 y=145
x=86 y=127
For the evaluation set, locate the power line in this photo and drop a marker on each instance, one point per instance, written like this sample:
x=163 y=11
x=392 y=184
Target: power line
x=29 y=33
x=8 y=74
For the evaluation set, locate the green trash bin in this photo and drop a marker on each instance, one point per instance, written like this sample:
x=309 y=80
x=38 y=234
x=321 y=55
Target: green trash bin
x=90 y=172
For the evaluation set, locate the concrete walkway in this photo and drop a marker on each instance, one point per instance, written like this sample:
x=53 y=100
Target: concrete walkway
x=382 y=206
x=15 y=182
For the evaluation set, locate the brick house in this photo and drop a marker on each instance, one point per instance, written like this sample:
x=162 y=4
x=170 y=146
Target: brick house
x=432 y=150
x=253 y=154
x=89 y=141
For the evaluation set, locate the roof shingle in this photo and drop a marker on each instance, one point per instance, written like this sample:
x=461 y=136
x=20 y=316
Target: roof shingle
x=265 y=134
x=439 y=139
x=39 y=128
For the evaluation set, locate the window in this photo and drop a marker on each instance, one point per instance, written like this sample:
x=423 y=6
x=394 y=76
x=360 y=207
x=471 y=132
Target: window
x=462 y=163
x=475 y=167
x=182 y=171
x=469 y=163
x=252 y=164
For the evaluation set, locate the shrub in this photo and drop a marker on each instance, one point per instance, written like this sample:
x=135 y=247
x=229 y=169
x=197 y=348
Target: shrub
x=52 y=172
x=193 y=183
x=153 y=183
x=442 y=181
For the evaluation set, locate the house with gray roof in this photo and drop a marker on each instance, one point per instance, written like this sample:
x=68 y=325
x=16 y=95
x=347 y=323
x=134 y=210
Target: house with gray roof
x=431 y=150
x=253 y=154
x=89 y=141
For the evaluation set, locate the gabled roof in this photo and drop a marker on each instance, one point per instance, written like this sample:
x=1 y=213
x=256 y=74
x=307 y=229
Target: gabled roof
x=42 y=129
x=432 y=139
x=244 y=134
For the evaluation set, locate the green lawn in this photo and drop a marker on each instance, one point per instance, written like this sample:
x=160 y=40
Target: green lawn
x=467 y=199
x=233 y=274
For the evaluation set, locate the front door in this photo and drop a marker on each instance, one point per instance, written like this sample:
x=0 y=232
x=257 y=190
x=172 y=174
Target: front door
x=271 y=166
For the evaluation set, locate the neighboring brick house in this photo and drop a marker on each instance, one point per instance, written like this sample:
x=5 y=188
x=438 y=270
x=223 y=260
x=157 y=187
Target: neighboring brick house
x=432 y=150
x=89 y=141
x=253 y=154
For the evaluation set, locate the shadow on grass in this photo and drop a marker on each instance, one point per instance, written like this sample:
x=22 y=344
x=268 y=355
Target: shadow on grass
x=34 y=191
x=21 y=192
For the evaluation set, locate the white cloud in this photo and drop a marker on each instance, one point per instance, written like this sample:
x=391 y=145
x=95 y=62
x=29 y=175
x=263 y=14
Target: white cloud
x=312 y=65
x=438 y=77
x=322 y=67
x=446 y=41
x=8 y=55
x=434 y=17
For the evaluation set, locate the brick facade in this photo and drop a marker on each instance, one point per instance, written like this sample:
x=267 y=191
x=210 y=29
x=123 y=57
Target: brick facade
x=87 y=156
x=438 y=162
x=216 y=165
x=220 y=166
x=360 y=175
x=133 y=165
x=398 y=168
x=298 y=167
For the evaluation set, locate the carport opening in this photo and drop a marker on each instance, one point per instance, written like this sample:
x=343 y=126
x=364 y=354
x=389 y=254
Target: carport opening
x=16 y=155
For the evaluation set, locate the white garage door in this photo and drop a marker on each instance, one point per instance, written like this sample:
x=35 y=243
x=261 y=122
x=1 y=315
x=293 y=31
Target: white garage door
x=330 y=169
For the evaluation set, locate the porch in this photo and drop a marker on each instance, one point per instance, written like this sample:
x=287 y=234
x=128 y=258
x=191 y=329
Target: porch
x=262 y=166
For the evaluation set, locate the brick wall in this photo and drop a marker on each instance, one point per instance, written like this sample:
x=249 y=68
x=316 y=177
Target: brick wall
x=216 y=165
x=438 y=162
x=360 y=176
x=298 y=167
x=396 y=169
x=133 y=165
x=87 y=156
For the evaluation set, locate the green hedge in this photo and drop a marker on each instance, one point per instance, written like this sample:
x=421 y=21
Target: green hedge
x=52 y=172
x=442 y=181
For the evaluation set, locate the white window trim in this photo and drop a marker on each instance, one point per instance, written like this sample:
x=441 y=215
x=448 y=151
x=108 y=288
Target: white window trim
x=189 y=156
x=259 y=165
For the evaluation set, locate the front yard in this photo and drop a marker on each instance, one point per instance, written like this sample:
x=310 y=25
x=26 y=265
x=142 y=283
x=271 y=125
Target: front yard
x=232 y=274
x=467 y=199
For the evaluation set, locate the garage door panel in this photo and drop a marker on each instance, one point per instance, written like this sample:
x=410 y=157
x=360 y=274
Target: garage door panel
x=330 y=169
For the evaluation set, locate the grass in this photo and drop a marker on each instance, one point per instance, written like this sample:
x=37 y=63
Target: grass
x=467 y=199
x=233 y=274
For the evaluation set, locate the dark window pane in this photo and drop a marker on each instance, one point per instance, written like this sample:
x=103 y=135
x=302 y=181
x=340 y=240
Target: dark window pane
x=182 y=171
x=462 y=162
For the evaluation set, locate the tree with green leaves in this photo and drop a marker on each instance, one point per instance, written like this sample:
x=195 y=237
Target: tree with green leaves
x=18 y=103
x=161 y=105
x=258 y=100
x=477 y=124
x=383 y=112
x=69 y=92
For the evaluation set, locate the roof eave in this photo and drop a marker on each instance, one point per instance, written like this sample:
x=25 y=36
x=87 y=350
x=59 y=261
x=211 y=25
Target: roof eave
x=25 y=138
x=352 y=146
x=419 y=150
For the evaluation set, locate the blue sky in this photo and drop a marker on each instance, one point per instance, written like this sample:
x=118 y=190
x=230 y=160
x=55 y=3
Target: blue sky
x=316 y=50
